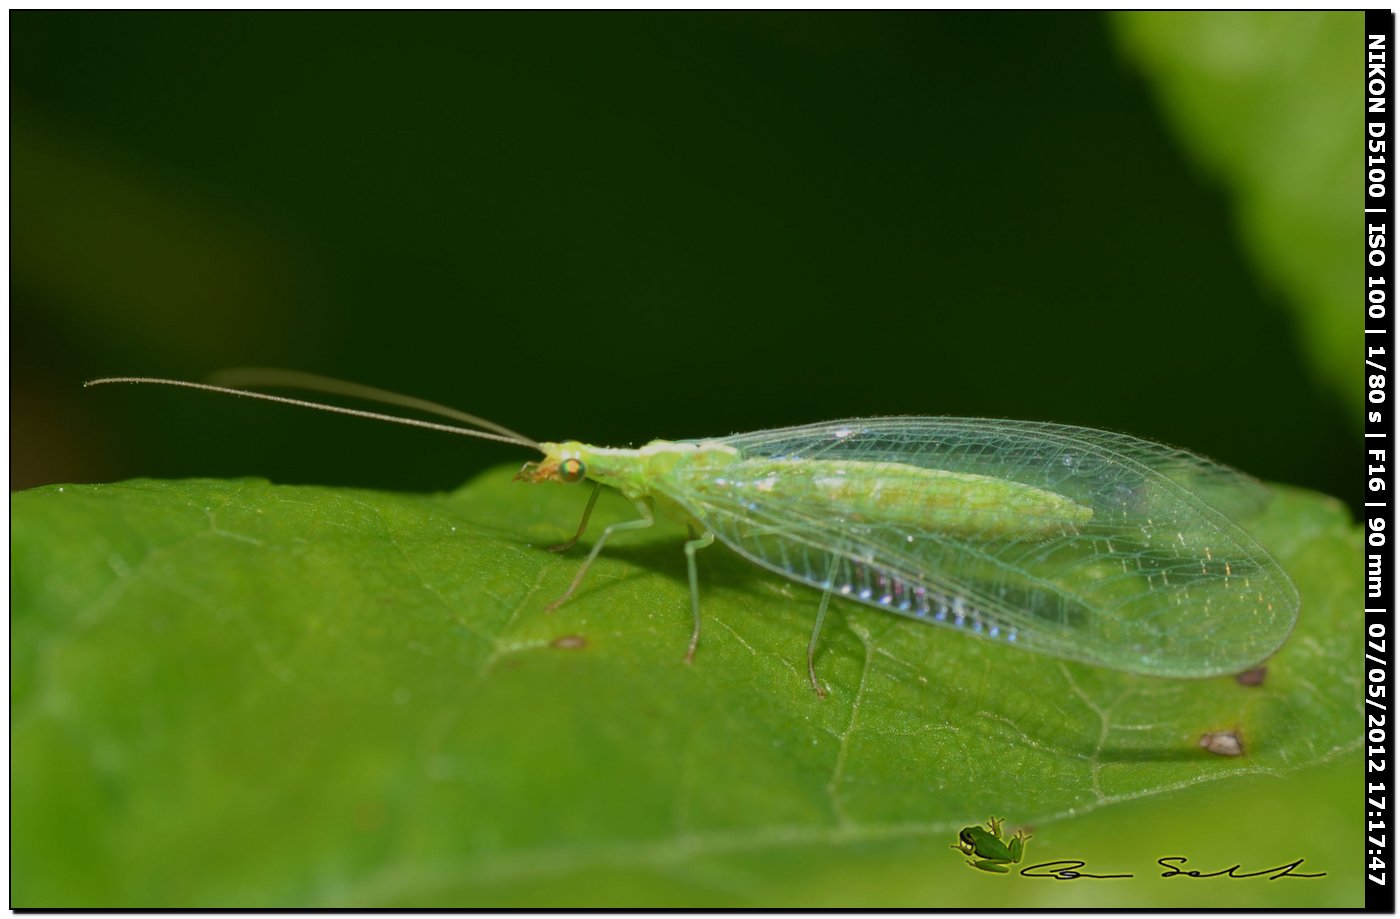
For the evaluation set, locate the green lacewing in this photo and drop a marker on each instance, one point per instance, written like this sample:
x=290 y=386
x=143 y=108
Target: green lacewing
x=1081 y=544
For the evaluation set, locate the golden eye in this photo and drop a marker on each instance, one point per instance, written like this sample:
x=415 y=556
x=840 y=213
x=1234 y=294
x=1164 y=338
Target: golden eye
x=572 y=470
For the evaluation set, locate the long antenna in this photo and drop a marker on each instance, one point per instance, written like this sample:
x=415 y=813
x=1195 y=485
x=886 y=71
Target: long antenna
x=259 y=377
x=510 y=438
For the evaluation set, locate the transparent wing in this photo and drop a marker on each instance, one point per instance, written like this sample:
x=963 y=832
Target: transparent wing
x=1156 y=577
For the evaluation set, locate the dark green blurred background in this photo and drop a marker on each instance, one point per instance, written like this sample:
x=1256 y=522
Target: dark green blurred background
x=623 y=226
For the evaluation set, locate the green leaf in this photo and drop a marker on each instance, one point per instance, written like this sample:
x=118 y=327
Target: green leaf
x=230 y=693
x=1269 y=102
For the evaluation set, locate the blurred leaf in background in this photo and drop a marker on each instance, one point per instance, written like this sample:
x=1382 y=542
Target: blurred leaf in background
x=1268 y=102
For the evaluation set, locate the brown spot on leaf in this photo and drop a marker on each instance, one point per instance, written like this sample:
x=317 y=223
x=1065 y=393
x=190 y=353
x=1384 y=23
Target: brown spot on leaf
x=1253 y=677
x=1223 y=743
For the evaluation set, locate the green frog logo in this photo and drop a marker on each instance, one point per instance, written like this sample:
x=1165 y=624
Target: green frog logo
x=988 y=850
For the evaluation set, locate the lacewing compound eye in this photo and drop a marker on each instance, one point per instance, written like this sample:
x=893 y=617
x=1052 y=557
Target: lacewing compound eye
x=572 y=470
